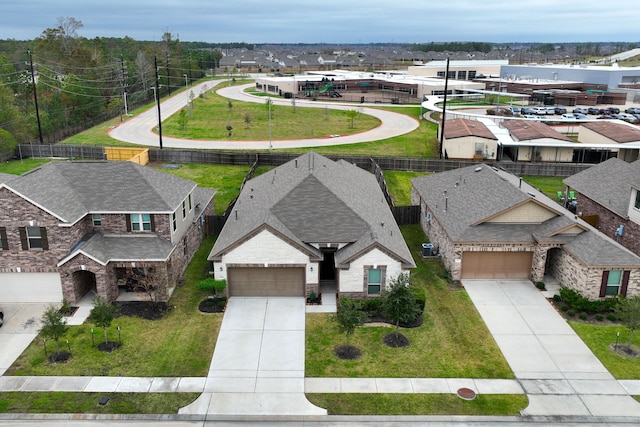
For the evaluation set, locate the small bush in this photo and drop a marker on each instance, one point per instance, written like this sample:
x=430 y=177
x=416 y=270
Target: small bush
x=571 y=313
x=540 y=285
x=556 y=298
x=583 y=315
x=564 y=307
x=612 y=317
x=599 y=317
x=371 y=305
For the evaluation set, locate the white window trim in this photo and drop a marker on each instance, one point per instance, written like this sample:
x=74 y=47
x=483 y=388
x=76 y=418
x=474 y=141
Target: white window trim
x=140 y=223
x=29 y=238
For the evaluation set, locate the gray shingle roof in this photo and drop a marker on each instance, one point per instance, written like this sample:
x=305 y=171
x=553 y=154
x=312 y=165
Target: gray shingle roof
x=5 y=177
x=70 y=190
x=608 y=184
x=313 y=199
x=476 y=193
x=107 y=248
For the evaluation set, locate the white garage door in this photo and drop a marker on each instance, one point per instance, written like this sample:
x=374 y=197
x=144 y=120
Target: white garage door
x=30 y=287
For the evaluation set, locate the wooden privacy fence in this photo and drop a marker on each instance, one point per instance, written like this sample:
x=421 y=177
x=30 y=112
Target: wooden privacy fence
x=276 y=159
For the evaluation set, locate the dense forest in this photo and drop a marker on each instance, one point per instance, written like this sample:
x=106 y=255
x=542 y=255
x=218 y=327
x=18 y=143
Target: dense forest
x=80 y=80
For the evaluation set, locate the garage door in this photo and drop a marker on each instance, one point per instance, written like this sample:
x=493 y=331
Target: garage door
x=30 y=287
x=496 y=265
x=266 y=282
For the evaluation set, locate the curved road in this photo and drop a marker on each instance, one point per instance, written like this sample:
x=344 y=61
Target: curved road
x=139 y=129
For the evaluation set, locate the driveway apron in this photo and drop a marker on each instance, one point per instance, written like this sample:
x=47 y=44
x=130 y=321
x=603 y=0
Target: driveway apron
x=258 y=363
x=21 y=326
x=559 y=373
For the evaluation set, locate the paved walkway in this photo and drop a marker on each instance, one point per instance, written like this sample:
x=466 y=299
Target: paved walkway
x=557 y=371
x=139 y=129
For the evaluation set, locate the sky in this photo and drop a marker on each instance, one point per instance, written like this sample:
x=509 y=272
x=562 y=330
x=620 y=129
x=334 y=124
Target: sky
x=331 y=21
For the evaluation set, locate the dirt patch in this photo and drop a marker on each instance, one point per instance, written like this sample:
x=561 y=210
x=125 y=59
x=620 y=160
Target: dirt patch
x=377 y=319
x=145 y=309
x=395 y=341
x=347 y=352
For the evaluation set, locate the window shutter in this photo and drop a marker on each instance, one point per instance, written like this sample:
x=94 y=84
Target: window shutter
x=153 y=222
x=43 y=236
x=603 y=284
x=3 y=239
x=625 y=282
x=127 y=218
x=23 y=238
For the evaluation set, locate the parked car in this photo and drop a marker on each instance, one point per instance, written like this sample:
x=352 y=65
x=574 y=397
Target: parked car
x=526 y=110
x=593 y=110
x=632 y=110
x=533 y=117
x=568 y=117
x=580 y=110
x=560 y=110
x=613 y=110
x=628 y=117
x=540 y=111
x=579 y=116
x=515 y=110
x=550 y=111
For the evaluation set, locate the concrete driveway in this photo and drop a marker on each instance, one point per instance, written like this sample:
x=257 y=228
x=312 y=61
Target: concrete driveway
x=21 y=325
x=559 y=373
x=258 y=363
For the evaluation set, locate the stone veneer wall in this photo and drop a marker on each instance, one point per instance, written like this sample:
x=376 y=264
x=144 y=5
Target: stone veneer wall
x=571 y=273
x=609 y=221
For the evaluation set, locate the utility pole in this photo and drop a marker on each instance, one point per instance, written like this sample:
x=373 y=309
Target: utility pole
x=444 y=107
x=35 y=96
x=124 y=87
x=168 y=72
x=157 y=94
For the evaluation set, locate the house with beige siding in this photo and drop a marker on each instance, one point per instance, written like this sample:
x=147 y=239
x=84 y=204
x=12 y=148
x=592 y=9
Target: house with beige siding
x=488 y=224
x=308 y=222
x=617 y=135
x=537 y=142
x=70 y=229
x=468 y=139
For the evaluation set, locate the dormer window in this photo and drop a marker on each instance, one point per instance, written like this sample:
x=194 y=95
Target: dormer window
x=637 y=203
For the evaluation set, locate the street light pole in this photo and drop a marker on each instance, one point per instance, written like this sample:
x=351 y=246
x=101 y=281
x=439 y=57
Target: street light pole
x=270 y=145
x=35 y=96
x=293 y=94
x=156 y=93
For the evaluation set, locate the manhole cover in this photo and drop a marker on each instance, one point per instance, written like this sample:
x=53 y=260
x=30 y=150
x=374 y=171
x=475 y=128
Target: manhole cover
x=466 y=393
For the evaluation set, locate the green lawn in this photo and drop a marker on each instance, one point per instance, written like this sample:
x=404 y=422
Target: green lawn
x=180 y=344
x=87 y=403
x=418 y=404
x=17 y=167
x=399 y=186
x=453 y=342
x=549 y=185
x=599 y=337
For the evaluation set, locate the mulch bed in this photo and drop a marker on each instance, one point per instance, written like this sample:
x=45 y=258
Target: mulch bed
x=145 y=309
x=109 y=346
x=377 y=318
x=347 y=352
x=395 y=341
x=212 y=305
x=625 y=350
x=59 y=357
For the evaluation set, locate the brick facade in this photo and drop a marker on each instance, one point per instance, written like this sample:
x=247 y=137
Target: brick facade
x=80 y=274
x=609 y=221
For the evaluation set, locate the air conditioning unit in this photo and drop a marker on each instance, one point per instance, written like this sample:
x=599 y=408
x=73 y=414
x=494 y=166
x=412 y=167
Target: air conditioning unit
x=620 y=230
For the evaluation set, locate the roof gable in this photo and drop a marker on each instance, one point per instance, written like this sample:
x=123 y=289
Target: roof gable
x=618 y=132
x=528 y=212
x=459 y=128
x=525 y=130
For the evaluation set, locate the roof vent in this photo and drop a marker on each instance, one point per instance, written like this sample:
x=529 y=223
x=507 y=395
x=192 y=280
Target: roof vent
x=478 y=169
x=531 y=194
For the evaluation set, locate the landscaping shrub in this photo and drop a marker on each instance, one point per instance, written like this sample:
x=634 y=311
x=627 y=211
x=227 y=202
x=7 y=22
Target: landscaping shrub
x=540 y=285
x=564 y=307
x=599 y=317
x=583 y=315
x=371 y=305
x=612 y=317
x=577 y=302
x=571 y=313
x=556 y=298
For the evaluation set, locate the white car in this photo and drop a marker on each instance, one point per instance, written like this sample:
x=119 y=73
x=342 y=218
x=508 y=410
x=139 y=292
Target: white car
x=568 y=117
x=539 y=110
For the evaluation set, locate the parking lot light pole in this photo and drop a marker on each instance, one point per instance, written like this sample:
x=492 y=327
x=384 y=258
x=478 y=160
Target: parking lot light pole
x=186 y=87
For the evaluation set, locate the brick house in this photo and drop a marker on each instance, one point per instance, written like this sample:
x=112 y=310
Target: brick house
x=307 y=222
x=489 y=224
x=610 y=193
x=70 y=228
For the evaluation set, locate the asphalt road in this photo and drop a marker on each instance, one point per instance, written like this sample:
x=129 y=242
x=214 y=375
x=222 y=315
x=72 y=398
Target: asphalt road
x=139 y=129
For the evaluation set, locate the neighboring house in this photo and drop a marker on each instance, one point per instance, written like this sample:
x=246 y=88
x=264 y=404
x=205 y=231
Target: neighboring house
x=610 y=193
x=469 y=139
x=622 y=136
x=70 y=228
x=537 y=142
x=309 y=221
x=488 y=224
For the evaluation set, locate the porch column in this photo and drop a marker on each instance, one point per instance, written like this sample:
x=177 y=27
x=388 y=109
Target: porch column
x=538 y=263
